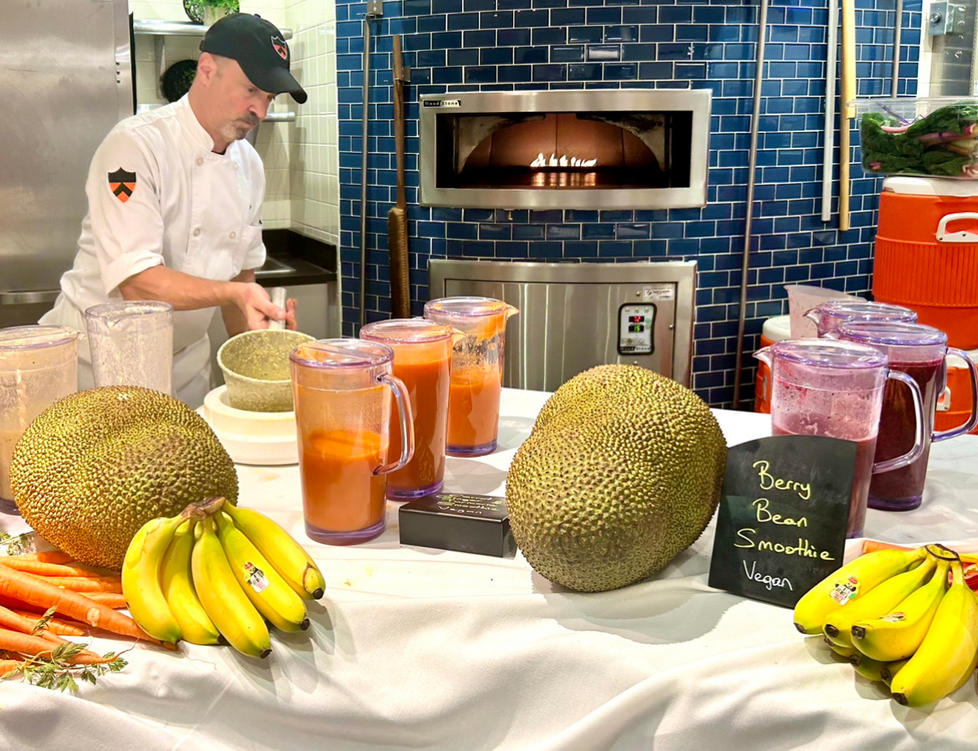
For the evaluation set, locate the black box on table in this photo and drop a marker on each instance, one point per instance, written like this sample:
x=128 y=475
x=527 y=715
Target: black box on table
x=464 y=522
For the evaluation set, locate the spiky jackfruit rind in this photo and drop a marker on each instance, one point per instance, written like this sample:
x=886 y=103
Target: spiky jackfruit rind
x=622 y=472
x=95 y=466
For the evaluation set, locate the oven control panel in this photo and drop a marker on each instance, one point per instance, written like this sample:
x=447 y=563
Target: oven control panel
x=635 y=326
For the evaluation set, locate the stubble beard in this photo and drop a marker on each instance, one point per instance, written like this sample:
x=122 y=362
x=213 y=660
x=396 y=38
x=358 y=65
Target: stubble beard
x=237 y=129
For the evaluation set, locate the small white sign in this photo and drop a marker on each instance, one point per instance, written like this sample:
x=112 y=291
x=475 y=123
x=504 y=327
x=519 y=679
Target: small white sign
x=659 y=292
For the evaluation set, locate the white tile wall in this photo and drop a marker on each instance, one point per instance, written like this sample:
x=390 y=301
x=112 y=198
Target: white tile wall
x=301 y=158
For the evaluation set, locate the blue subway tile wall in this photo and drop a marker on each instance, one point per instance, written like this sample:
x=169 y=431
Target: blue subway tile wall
x=491 y=45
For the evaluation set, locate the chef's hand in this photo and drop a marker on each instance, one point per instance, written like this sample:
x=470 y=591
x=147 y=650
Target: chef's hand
x=291 y=322
x=255 y=307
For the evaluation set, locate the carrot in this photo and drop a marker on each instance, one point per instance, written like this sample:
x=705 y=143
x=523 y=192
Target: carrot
x=36 y=646
x=9 y=666
x=113 y=600
x=26 y=624
x=36 y=591
x=82 y=583
x=871 y=546
x=43 y=568
x=58 y=626
x=48 y=556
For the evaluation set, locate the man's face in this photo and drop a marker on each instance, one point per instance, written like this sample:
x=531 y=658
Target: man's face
x=238 y=104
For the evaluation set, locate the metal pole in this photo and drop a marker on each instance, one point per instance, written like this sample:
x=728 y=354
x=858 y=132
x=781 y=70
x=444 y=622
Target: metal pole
x=374 y=11
x=897 y=31
x=828 y=147
x=751 y=169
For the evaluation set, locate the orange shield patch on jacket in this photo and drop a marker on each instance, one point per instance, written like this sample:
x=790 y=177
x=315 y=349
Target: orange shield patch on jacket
x=122 y=184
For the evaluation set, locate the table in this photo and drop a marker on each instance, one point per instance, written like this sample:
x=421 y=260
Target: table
x=421 y=648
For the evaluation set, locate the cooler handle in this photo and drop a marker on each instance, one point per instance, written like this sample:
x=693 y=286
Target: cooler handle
x=968 y=426
x=956 y=237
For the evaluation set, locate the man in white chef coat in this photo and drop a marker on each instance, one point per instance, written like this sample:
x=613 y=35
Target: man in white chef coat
x=174 y=204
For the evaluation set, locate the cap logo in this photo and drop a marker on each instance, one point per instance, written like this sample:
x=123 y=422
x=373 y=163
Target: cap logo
x=122 y=184
x=280 y=47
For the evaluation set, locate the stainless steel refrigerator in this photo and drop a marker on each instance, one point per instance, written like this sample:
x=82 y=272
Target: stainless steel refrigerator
x=66 y=76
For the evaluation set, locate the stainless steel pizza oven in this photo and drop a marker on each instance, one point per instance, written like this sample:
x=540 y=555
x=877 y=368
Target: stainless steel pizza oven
x=609 y=148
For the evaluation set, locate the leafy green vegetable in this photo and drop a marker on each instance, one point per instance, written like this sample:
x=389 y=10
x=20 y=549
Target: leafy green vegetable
x=942 y=143
x=58 y=673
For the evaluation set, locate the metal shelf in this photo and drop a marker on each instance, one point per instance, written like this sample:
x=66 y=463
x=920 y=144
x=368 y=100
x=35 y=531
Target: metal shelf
x=178 y=28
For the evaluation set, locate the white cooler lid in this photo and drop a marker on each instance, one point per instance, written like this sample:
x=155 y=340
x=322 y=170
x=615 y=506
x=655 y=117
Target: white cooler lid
x=930 y=186
x=777 y=328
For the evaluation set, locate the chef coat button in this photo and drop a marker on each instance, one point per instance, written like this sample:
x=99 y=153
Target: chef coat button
x=196 y=231
x=232 y=235
x=235 y=165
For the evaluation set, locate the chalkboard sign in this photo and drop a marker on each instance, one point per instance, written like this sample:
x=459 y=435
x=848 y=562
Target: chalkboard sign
x=781 y=523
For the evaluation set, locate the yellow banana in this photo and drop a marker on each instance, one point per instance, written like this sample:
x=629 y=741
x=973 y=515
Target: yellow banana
x=848 y=584
x=890 y=669
x=871 y=670
x=947 y=656
x=897 y=634
x=879 y=601
x=267 y=590
x=141 y=579
x=844 y=652
x=222 y=597
x=286 y=555
x=178 y=588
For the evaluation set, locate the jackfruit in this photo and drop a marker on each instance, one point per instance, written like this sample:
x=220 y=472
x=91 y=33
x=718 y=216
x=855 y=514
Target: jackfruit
x=95 y=466
x=622 y=471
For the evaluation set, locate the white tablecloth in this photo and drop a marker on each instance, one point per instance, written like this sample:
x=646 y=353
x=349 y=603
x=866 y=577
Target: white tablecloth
x=420 y=648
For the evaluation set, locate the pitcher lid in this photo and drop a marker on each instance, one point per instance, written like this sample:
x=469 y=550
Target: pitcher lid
x=892 y=333
x=30 y=337
x=864 y=309
x=830 y=353
x=341 y=353
x=465 y=306
x=406 y=331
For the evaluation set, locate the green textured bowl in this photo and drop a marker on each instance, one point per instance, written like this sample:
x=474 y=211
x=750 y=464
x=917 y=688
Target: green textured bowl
x=256 y=369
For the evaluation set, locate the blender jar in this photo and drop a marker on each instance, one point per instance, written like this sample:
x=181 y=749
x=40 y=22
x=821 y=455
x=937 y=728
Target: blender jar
x=422 y=358
x=38 y=366
x=476 y=371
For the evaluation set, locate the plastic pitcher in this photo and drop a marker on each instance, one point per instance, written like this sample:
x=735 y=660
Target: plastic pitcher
x=834 y=388
x=831 y=314
x=38 y=366
x=920 y=352
x=476 y=372
x=131 y=344
x=342 y=394
x=422 y=356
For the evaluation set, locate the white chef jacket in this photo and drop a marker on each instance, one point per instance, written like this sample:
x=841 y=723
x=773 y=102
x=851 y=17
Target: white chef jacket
x=158 y=194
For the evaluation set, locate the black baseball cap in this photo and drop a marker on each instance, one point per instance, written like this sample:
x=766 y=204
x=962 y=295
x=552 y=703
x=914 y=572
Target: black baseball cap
x=260 y=50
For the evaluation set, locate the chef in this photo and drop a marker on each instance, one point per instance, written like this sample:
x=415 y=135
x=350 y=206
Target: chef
x=174 y=205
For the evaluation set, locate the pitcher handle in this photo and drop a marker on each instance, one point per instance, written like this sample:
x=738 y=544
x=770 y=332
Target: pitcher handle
x=918 y=442
x=403 y=400
x=972 y=421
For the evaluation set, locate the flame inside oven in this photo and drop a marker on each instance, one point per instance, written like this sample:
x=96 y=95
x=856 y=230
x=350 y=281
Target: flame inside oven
x=563 y=161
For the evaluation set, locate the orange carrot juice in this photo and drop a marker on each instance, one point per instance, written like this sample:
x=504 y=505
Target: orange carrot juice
x=339 y=490
x=426 y=377
x=473 y=411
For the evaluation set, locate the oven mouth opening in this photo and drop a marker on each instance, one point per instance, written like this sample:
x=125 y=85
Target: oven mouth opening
x=564 y=150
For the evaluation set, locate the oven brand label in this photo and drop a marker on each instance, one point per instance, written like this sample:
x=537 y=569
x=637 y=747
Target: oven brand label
x=662 y=292
x=442 y=102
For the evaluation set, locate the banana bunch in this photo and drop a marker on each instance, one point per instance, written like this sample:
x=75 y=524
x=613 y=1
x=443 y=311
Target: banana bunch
x=216 y=571
x=906 y=618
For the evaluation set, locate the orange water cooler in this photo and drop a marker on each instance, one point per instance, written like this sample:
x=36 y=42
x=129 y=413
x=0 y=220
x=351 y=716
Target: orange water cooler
x=927 y=260
x=775 y=329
